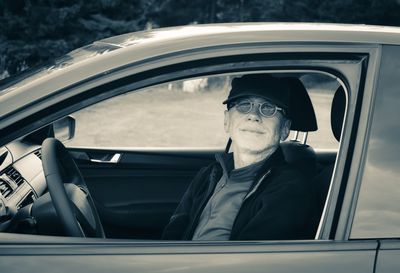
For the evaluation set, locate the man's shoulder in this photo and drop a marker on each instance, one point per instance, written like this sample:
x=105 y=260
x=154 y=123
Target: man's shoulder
x=214 y=168
x=288 y=183
x=291 y=169
x=207 y=174
x=289 y=175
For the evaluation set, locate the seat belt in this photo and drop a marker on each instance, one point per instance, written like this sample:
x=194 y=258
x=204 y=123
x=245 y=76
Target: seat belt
x=228 y=145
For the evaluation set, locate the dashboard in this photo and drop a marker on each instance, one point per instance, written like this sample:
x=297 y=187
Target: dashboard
x=21 y=179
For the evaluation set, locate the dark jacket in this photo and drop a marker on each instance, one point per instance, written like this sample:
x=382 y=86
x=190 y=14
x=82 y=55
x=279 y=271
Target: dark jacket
x=280 y=205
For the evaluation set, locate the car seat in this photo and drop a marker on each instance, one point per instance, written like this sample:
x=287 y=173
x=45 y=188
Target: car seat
x=323 y=179
x=302 y=113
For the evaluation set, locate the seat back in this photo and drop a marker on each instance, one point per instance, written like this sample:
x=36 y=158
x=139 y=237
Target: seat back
x=303 y=118
x=337 y=112
x=323 y=179
x=300 y=155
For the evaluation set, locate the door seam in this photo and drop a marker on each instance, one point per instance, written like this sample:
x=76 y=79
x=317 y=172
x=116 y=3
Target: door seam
x=376 y=255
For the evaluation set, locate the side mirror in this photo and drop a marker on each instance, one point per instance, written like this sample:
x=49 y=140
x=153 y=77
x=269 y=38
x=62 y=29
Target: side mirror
x=64 y=129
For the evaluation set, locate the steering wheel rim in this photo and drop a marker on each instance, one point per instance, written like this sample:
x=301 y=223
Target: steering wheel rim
x=59 y=168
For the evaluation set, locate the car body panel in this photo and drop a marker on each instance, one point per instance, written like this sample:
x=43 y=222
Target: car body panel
x=193 y=37
x=193 y=257
x=133 y=61
x=380 y=175
x=387 y=258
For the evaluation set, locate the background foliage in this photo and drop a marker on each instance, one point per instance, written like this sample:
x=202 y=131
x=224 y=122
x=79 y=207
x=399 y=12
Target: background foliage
x=34 y=31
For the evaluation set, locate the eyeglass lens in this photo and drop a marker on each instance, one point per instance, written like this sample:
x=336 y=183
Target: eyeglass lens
x=266 y=109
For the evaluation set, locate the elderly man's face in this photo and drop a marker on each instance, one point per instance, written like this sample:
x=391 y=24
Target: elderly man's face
x=253 y=132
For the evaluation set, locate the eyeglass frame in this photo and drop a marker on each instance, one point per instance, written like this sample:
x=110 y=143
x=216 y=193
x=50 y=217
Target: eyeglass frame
x=252 y=104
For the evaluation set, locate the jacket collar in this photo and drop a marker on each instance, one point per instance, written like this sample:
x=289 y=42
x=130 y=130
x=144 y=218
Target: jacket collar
x=266 y=169
x=275 y=160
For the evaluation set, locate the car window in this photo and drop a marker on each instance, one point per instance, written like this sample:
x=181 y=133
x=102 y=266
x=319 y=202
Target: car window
x=177 y=114
x=185 y=114
x=321 y=89
x=188 y=114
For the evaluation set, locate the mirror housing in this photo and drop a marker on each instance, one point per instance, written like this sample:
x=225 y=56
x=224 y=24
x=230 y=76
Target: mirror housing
x=64 y=129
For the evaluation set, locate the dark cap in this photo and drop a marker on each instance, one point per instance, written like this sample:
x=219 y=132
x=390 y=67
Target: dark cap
x=275 y=90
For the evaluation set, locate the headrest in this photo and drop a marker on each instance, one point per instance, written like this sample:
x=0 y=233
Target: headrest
x=301 y=108
x=337 y=112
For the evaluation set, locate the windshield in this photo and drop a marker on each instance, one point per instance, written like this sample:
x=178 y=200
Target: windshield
x=76 y=56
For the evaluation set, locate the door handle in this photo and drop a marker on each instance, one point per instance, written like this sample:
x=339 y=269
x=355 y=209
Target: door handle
x=113 y=159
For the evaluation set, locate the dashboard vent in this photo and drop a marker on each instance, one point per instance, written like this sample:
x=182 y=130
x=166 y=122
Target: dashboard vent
x=14 y=175
x=5 y=188
x=38 y=153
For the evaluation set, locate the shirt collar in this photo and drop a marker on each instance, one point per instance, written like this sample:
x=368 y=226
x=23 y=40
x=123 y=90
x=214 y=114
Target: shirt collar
x=257 y=169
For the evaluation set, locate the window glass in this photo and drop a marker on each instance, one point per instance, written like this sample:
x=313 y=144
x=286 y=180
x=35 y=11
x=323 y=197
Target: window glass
x=321 y=89
x=178 y=114
x=185 y=114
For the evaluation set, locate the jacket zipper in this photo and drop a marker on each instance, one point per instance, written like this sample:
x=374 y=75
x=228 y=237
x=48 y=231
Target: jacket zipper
x=257 y=185
x=248 y=195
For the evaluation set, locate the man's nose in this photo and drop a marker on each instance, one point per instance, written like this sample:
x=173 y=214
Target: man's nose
x=254 y=115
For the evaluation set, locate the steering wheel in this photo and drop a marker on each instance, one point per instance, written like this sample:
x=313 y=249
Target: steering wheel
x=69 y=193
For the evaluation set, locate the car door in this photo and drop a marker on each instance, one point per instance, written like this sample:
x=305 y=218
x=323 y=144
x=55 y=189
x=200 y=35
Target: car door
x=336 y=250
x=90 y=256
x=332 y=251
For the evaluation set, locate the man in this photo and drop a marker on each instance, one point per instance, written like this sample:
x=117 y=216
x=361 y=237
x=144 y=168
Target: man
x=252 y=193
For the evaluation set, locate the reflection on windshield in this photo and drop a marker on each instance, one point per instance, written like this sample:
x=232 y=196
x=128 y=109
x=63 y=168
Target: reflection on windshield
x=71 y=58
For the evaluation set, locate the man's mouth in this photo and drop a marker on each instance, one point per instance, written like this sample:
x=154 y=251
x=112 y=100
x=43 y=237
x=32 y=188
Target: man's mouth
x=254 y=131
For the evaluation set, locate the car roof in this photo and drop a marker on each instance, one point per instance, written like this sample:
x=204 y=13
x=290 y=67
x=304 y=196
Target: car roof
x=105 y=55
x=193 y=36
x=276 y=32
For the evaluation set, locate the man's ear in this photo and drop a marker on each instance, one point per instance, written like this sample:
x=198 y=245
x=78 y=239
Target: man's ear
x=226 y=121
x=285 y=130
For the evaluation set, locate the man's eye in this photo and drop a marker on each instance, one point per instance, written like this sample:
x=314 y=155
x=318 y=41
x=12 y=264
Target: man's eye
x=267 y=107
x=244 y=106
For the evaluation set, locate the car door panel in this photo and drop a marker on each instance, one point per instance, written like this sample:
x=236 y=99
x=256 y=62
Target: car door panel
x=136 y=195
x=388 y=257
x=286 y=256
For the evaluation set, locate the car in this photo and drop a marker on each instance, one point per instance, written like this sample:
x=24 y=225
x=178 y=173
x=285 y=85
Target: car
x=98 y=147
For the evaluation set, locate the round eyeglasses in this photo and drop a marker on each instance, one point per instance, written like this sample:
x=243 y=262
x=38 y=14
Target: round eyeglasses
x=266 y=109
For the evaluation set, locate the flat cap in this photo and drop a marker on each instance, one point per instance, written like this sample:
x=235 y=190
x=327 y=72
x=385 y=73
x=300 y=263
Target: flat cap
x=275 y=90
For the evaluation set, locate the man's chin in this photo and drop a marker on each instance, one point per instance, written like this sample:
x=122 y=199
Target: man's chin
x=256 y=140
x=249 y=147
